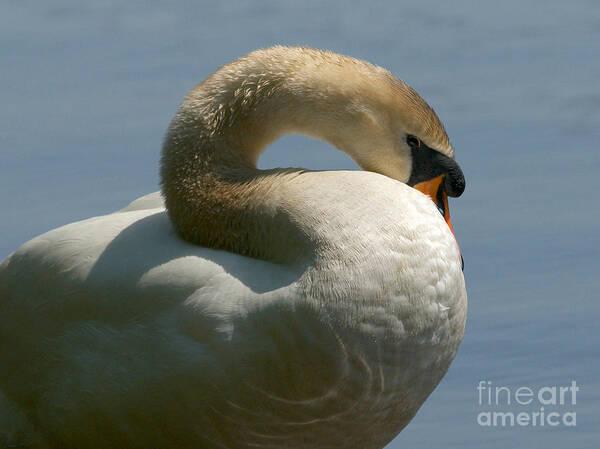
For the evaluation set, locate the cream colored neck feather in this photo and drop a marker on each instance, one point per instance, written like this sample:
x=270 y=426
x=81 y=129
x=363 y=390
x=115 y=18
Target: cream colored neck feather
x=214 y=193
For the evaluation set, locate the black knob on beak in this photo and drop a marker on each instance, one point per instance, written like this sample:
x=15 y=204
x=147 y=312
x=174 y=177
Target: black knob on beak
x=428 y=163
x=455 y=180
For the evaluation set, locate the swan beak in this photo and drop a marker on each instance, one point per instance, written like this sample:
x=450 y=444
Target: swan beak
x=434 y=188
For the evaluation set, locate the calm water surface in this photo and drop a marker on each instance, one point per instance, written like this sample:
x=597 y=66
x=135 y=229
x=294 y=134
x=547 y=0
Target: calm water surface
x=88 y=89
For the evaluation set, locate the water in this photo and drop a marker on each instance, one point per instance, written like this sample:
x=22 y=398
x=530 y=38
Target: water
x=88 y=88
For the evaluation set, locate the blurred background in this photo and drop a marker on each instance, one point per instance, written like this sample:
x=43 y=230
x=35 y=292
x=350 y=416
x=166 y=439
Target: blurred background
x=88 y=89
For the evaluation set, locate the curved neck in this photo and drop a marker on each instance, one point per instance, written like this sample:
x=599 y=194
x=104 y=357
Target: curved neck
x=248 y=107
x=214 y=194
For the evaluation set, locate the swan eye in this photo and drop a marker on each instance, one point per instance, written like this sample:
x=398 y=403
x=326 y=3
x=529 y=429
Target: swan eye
x=413 y=141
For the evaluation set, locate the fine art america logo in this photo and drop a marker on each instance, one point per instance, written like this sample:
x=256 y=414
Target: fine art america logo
x=524 y=406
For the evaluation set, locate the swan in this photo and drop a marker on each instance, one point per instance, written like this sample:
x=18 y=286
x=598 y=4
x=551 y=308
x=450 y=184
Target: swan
x=281 y=308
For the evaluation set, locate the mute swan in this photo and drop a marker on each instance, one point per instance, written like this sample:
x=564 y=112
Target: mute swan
x=265 y=308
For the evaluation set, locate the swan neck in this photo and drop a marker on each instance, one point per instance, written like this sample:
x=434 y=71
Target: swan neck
x=248 y=115
x=215 y=195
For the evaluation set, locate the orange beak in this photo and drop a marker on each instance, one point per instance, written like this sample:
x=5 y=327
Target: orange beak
x=434 y=188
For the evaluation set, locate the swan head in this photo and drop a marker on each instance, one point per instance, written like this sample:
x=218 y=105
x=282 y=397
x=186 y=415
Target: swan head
x=395 y=132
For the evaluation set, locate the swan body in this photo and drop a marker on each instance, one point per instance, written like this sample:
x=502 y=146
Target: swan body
x=321 y=311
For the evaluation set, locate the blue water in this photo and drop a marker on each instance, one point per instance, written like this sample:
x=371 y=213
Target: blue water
x=88 y=88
